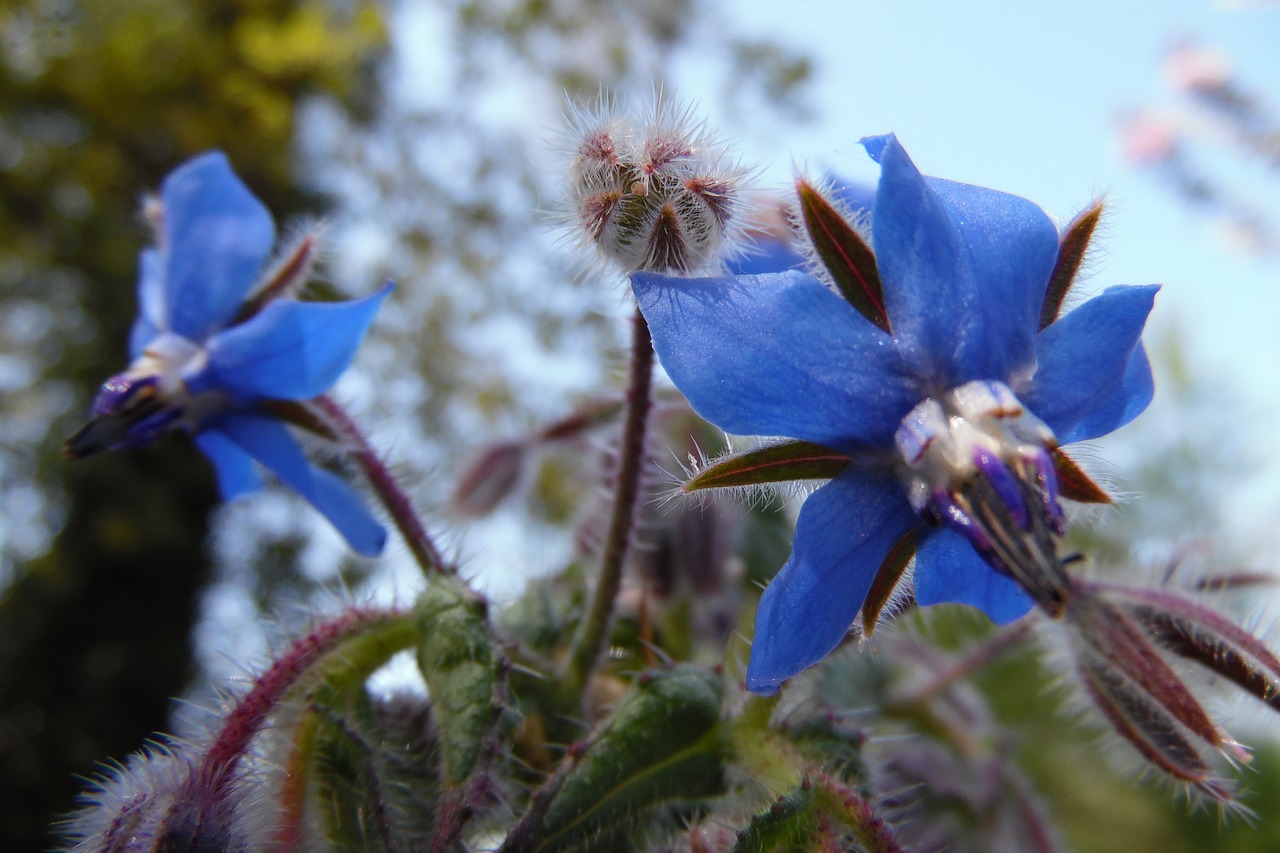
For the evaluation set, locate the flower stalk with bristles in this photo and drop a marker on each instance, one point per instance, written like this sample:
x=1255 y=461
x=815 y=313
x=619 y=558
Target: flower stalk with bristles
x=655 y=194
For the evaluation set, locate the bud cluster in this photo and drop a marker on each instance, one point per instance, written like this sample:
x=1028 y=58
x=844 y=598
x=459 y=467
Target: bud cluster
x=658 y=194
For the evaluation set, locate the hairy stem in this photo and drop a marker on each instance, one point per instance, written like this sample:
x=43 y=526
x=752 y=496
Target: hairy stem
x=384 y=483
x=595 y=627
x=858 y=814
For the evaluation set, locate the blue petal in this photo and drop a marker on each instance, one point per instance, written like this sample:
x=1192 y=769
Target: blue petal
x=1087 y=381
x=777 y=355
x=963 y=269
x=234 y=467
x=267 y=441
x=290 y=350
x=844 y=532
x=1129 y=399
x=151 y=319
x=949 y=570
x=217 y=237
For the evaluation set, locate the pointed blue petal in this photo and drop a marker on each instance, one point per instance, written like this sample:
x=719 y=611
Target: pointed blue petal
x=963 y=270
x=777 y=355
x=234 y=467
x=269 y=442
x=217 y=236
x=844 y=531
x=290 y=350
x=1087 y=381
x=151 y=314
x=949 y=570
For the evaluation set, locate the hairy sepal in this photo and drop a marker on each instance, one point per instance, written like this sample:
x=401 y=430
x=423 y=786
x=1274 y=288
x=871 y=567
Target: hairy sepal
x=458 y=659
x=845 y=255
x=772 y=463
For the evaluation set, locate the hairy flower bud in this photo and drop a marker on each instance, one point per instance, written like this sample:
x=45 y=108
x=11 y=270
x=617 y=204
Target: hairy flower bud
x=656 y=193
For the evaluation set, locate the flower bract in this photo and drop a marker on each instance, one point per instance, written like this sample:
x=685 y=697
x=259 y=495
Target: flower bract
x=949 y=417
x=213 y=347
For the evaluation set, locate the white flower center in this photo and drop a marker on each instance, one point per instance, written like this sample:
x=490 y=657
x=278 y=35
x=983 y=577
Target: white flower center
x=975 y=460
x=171 y=359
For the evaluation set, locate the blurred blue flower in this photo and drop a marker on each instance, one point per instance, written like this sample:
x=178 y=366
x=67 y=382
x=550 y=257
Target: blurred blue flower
x=769 y=246
x=950 y=419
x=215 y=345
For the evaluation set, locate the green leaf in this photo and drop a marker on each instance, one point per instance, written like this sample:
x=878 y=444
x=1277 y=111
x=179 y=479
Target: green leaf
x=344 y=654
x=457 y=656
x=773 y=463
x=662 y=745
x=845 y=254
x=349 y=789
x=819 y=814
x=783 y=827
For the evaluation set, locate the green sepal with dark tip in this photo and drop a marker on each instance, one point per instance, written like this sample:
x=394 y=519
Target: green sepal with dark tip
x=845 y=254
x=773 y=463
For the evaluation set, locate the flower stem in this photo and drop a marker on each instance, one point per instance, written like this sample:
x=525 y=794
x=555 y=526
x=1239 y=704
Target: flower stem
x=389 y=491
x=858 y=814
x=596 y=625
x=242 y=723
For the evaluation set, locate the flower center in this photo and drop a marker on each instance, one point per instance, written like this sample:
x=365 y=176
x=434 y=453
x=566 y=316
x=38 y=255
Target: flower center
x=977 y=461
x=151 y=397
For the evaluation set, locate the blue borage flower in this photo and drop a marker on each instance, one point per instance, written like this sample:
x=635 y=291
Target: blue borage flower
x=212 y=353
x=949 y=417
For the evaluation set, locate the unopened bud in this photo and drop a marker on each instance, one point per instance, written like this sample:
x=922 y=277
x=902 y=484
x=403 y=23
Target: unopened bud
x=489 y=478
x=657 y=194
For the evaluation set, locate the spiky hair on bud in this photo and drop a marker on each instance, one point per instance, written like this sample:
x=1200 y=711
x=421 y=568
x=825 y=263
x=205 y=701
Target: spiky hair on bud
x=650 y=188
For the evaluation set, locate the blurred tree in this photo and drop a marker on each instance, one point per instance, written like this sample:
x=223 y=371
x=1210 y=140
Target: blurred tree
x=100 y=99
